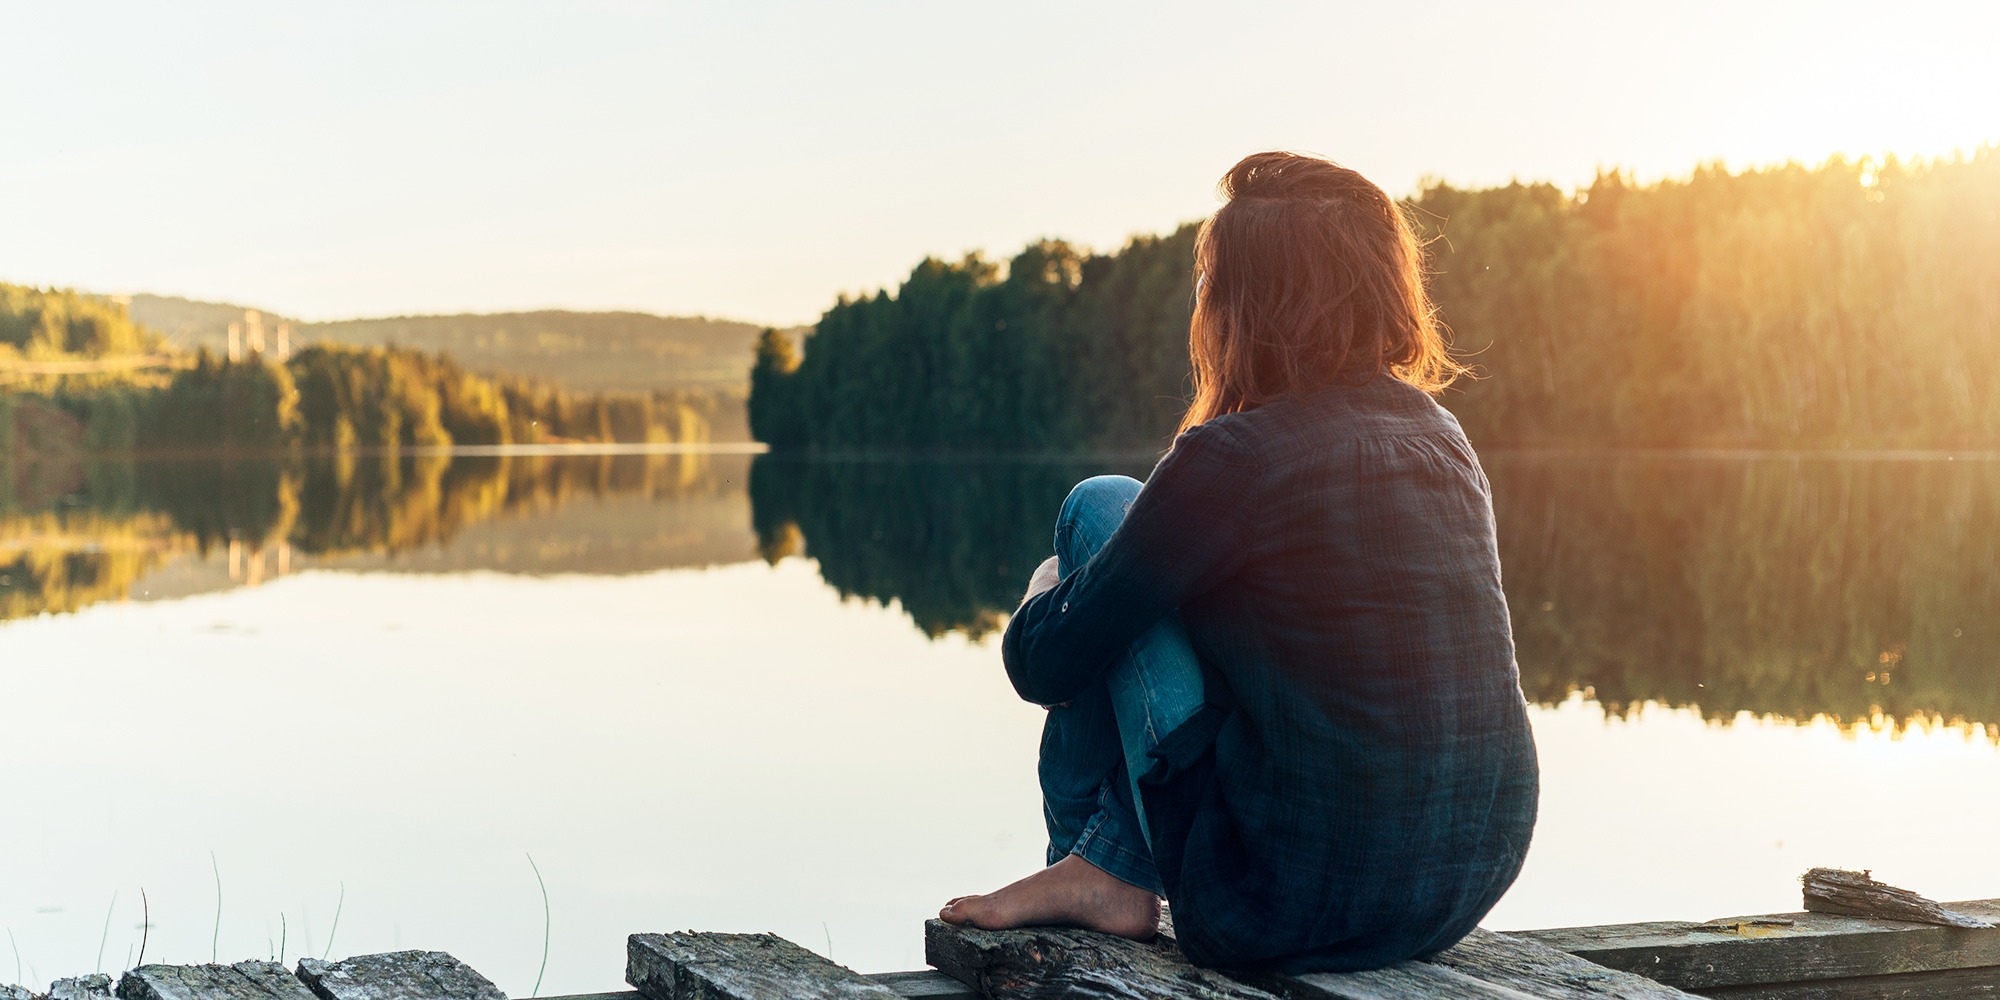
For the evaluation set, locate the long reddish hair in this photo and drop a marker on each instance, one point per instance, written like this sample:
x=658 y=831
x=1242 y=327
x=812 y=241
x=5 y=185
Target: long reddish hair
x=1306 y=276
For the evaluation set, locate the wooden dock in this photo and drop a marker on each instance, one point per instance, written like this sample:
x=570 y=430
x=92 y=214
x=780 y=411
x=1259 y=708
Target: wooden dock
x=1927 y=950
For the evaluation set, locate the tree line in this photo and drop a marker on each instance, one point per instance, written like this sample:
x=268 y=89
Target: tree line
x=345 y=398
x=1059 y=350
x=327 y=395
x=1849 y=304
x=52 y=323
x=589 y=351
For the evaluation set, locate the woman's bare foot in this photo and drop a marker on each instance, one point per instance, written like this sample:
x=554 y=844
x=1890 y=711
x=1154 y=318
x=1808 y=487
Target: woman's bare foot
x=1071 y=893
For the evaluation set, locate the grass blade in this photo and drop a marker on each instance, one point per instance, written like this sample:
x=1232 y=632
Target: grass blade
x=107 y=930
x=336 y=922
x=545 y=926
x=217 y=936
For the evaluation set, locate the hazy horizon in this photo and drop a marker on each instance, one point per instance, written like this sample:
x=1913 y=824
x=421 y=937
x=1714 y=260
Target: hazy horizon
x=752 y=162
x=270 y=310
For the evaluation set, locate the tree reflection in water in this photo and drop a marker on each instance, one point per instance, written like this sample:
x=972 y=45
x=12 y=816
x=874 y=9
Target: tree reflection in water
x=1859 y=590
x=115 y=523
x=1800 y=587
x=951 y=540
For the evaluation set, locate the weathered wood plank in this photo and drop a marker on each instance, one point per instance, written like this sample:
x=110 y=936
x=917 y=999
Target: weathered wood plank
x=1858 y=894
x=1959 y=984
x=925 y=984
x=692 y=966
x=1397 y=982
x=1037 y=962
x=96 y=986
x=396 y=975
x=242 y=981
x=1051 y=962
x=929 y=984
x=1782 y=947
x=1543 y=971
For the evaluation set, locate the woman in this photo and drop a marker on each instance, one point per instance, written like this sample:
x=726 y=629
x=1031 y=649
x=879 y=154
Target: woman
x=1281 y=676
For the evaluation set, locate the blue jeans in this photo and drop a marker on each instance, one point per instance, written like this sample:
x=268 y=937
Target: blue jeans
x=1095 y=748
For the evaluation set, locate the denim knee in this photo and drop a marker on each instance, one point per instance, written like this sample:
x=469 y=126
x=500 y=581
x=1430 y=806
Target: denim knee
x=1091 y=512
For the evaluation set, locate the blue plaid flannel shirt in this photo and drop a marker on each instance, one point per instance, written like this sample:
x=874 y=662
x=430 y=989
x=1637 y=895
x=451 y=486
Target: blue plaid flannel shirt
x=1362 y=785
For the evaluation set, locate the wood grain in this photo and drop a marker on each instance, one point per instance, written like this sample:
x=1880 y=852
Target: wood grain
x=1958 y=984
x=1047 y=962
x=929 y=984
x=1042 y=962
x=1857 y=894
x=1782 y=947
x=695 y=966
x=242 y=981
x=396 y=975
x=1399 y=981
x=1543 y=971
x=96 y=986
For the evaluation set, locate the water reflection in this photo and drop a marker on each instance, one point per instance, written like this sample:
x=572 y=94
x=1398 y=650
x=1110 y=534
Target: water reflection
x=1799 y=587
x=1860 y=591
x=64 y=561
x=1793 y=588
x=953 y=541
x=115 y=530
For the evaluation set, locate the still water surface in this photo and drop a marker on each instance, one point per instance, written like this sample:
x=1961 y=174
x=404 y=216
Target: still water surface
x=735 y=692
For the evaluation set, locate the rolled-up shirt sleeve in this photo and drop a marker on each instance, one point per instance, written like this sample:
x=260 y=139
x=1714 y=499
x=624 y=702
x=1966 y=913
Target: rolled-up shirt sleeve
x=1186 y=532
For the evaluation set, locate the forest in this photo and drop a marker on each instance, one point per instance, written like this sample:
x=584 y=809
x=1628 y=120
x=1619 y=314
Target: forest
x=343 y=398
x=43 y=324
x=587 y=351
x=1846 y=305
x=325 y=396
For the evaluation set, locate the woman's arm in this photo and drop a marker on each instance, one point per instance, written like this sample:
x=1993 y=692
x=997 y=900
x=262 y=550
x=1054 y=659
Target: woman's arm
x=1186 y=532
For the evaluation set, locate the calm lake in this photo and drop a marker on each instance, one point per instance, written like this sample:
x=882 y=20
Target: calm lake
x=337 y=707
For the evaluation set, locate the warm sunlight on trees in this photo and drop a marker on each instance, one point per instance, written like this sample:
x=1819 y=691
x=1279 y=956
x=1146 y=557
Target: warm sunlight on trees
x=52 y=323
x=1845 y=305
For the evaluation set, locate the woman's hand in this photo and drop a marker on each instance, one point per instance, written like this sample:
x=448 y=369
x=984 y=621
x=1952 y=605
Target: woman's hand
x=1044 y=579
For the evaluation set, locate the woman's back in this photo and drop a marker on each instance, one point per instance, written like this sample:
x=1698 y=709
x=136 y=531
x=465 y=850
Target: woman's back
x=1374 y=784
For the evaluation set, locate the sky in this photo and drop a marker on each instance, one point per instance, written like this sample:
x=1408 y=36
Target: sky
x=754 y=159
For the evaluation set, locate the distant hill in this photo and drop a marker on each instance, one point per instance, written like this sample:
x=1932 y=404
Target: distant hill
x=588 y=351
x=185 y=323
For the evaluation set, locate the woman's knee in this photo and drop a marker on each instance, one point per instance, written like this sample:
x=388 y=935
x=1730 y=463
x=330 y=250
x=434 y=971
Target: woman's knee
x=1091 y=512
x=1100 y=492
